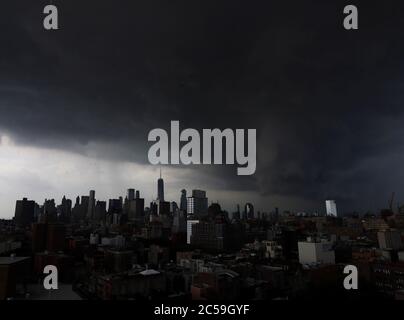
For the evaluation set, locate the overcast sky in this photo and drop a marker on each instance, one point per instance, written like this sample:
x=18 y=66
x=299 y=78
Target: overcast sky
x=76 y=104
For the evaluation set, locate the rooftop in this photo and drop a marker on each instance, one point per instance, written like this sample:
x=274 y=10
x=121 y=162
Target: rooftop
x=11 y=260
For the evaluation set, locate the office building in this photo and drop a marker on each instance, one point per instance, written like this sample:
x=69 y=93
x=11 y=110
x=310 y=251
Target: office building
x=14 y=271
x=24 y=212
x=91 y=205
x=115 y=206
x=190 y=223
x=131 y=194
x=64 y=210
x=179 y=222
x=39 y=232
x=183 y=200
x=331 y=208
x=49 y=211
x=136 y=209
x=249 y=211
x=100 y=211
x=197 y=204
x=216 y=236
x=390 y=239
x=56 y=237
x=316 y=252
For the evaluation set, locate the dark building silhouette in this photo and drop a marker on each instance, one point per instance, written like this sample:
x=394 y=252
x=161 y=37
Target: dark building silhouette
x=49 y=211
x=214 y=210
x=136 y=209
x=130 y=194
x=64 y=210
x=160 y=188
x=183 y=200
x=56 y=237
x=80 y=209
x=216 y=236
x=160 y=208
x=115 y=206
x=13 y=271
x=24 y=212
x=39 y=232
x=100 y=211
x=249 y=211
x=48 y=237
x=91 y=205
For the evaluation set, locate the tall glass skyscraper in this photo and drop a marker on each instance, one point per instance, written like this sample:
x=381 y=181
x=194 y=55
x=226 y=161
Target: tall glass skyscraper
x=160 y=188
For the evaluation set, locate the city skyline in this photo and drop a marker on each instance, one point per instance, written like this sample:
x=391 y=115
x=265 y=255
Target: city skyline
x=160 y=190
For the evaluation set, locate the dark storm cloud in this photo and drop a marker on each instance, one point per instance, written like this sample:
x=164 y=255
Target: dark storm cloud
x=326 y=102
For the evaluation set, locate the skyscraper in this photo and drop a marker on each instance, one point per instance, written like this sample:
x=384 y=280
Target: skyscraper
x=197 y=205
x=131 y=194
x=136 y=208
x=331 y=208
x=49 y=212
x=160 y=188
x=100 y=211
x=249 y=211
x=91 y=205
x=24 y=212
x=183 y=200
x=64 y=210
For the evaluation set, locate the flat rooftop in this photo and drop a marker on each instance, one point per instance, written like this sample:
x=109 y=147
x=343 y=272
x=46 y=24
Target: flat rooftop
x=12 y=260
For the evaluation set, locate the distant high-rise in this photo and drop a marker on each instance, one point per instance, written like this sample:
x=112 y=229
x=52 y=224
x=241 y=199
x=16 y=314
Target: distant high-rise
x=49 y=212
x=237 y=215
x=131 y=194
x=160 y=208
x=136 y=209
x=249 y=211
x=91 y=205
x=24 y=212
x=331 y=208
x=115 y=206
x=197 y=205
x=64 y=210
x=190 y=223
x=179 y=222
x=80 y=209
x=183 y=200
x=100 y=211
x=173 y=207
x=160 y=188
